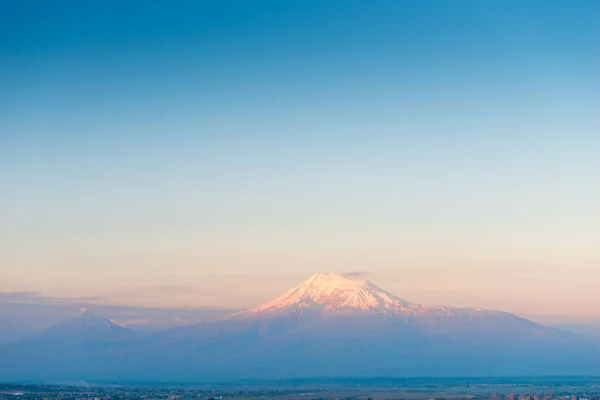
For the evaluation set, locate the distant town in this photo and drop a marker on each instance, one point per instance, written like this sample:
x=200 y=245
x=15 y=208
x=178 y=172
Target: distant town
x=376 y=389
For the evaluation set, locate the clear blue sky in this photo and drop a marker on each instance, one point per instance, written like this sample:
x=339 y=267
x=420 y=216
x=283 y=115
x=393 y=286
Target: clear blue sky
x=222 y=151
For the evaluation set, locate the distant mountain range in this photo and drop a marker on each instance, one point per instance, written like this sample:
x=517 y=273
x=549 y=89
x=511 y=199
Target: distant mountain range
x=328 y=326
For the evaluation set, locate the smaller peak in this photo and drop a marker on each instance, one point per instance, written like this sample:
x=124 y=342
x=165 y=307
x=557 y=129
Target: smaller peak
x=83 y=312
x=86 y=320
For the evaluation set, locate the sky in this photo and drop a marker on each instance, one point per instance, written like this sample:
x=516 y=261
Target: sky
x=214 y=154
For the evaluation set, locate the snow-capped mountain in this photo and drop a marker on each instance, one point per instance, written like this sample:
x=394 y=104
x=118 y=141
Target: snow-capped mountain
x=330 y=325
x=333 y=324
x=336 y=293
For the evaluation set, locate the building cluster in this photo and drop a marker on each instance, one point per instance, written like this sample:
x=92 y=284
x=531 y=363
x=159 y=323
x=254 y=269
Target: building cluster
x=417 y=391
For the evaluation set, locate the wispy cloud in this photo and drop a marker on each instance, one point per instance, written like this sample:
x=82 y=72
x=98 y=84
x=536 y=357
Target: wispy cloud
x=37 y=298
x=11 y=297
x=358 y=274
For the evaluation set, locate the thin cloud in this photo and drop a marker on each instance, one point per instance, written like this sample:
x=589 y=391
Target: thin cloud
x=67 y=300
x=358 y=274
x=173 y=289
x=37 y=298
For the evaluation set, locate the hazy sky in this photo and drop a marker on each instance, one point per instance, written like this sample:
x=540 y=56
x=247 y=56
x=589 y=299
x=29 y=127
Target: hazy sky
x=191 y=153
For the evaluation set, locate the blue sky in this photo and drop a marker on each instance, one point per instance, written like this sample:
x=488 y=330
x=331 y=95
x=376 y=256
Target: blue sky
x=229 y=149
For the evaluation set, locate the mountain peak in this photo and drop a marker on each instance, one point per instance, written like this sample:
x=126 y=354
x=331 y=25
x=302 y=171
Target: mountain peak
x=334 y=293
x=331 y=281
x=84 y=312
x=85 y=321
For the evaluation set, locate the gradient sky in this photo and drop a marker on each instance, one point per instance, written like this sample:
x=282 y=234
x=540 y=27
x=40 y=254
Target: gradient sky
x=194 y=153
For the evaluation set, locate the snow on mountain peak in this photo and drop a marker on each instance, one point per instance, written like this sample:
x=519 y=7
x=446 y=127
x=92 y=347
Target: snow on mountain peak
x=324 y=284
x=336 y=292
